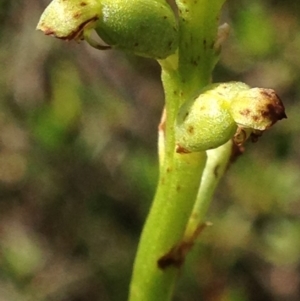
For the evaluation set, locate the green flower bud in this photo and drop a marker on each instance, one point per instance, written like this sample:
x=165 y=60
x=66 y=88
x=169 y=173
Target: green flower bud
x=143 y=27
x=224 y=111
x=204 y=122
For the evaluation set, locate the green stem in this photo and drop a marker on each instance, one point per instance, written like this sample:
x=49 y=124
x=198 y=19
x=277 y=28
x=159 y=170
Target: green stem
x=161 y=249
x=215 y=167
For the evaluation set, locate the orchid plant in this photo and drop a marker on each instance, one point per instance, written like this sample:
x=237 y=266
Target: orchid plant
x=201 y=123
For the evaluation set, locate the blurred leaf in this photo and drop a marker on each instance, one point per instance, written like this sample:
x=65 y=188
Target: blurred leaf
x=255 y=30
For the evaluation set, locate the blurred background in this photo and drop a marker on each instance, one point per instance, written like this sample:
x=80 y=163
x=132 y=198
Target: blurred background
x=78 y=165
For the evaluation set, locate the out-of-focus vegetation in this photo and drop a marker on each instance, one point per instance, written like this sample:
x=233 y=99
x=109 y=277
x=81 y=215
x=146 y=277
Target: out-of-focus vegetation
x=78 y=165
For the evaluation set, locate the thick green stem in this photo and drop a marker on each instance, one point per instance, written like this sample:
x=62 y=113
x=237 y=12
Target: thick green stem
x=198 y=25
x=177 y=189
x=161 y=250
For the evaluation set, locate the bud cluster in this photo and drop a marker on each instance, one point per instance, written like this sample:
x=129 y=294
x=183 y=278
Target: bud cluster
x=226 y=111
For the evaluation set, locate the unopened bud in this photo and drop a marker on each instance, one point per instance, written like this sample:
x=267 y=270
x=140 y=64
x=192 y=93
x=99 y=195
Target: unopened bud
x=204 y=123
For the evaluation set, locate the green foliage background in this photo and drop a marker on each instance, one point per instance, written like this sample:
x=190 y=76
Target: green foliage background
x=78 y=165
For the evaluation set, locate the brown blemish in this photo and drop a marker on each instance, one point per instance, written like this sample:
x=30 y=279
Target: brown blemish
x=191 y=129
x=255 y=135
x=177 y=254
x=162 y=124
x=216 y=170
x=185 y=116
x=48 y=31
x=178 y=188
x=202 y=108
x=275 y=109
x=245 y=112
x=181 y=150
x=77 y=15
x=83 y=4
x=194 y=62
x=75 y=34
x=275 y=112
x=194 y=215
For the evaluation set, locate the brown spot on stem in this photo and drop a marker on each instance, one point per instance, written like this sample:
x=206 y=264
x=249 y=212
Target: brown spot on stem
x=177 y=254
x=216 y=170
x=162 y=124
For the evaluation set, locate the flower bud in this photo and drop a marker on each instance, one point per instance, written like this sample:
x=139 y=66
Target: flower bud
x=144 y=27
x=204 y=123
x=223 y=111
